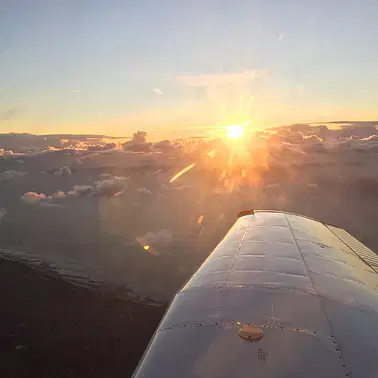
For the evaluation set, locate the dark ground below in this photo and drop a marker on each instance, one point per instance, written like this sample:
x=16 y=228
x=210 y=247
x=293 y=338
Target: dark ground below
x=50 y=328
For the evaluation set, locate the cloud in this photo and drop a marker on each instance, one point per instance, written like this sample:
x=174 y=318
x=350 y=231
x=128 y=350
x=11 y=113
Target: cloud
x=63 y=171
x=312 y=169
x=10 y=175
x=139 y=137
x=33 y=198
x=144 y=191
x=157 y=91
x=110 y=187
x=210 y=80
x=161 y=238
x=81 y=191
x=163 y=145
x=102 y=147
x=138 y=143
x=2 y=213
x=58 y=195
x=75 y=90
x=104 y=175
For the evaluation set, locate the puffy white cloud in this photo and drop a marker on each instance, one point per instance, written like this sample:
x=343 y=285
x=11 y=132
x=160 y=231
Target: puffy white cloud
x=138 y=143
x=33 y=198
x=10 y=175
x=161 y=238
x=63 y=171
x=163 y=145
x=2 y=213
x=139 y=137
x=110 y=187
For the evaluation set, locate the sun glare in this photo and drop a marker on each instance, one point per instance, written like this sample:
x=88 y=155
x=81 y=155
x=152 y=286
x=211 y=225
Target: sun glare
x=235 y=131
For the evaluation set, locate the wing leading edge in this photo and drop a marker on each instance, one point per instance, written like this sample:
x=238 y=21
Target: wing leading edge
x=309 y=287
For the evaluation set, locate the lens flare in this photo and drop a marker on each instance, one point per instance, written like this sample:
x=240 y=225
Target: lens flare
x=186 y=169
x=235 y=131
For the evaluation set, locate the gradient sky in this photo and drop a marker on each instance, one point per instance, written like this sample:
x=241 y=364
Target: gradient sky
x=178 y=67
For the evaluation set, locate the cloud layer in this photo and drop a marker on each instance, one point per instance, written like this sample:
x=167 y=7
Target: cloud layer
x=155 y=209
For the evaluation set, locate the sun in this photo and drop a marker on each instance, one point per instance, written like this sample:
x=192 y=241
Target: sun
x=235 y=131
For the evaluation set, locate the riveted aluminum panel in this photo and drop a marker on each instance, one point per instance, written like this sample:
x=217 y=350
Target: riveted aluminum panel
x=272 y=308
x=269 y=264
x=216 y=264
x=218 y=352
x=269 y=233
x=226 y=249
x=328 y=254
x=269 y=249
x=234 y=235
x=293 y=277
x=334 y=263
x=206 y=280
x=346 y=291
x=270 y=279
x=183 y=312
x=269 y=219
x=356 y=333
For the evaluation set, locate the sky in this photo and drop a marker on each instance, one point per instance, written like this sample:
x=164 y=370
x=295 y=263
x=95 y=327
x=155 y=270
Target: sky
x=184 y=67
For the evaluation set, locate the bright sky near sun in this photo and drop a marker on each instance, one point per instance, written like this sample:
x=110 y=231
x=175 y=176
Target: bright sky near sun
x=174 y=67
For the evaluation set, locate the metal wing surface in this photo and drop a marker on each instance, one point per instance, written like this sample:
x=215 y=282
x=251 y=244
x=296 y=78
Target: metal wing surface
x=312 y=289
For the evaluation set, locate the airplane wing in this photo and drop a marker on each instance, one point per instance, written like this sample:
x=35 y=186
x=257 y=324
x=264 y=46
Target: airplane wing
x=281 y=296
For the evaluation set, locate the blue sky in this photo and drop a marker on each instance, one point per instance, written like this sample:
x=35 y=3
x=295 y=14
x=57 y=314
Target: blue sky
x=183 y=67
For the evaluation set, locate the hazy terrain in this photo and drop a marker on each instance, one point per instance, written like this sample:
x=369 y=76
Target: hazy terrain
x=106 y=212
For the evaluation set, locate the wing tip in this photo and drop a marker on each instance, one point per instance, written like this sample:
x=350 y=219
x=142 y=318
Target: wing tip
x=245 y=212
